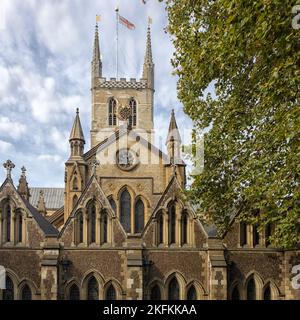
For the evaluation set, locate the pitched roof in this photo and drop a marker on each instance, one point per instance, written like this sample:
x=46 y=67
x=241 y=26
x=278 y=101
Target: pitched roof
x=54 y=197
x=44 y=224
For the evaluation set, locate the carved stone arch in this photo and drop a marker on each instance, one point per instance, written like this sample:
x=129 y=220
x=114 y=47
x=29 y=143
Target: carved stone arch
x=117 y=286
x=201 y=293
x=156 y=282
x=236 y=284
x=68 y=286
x=31 y=285
x=274 y=290
x=259 y=284
x=181 y=281
x=129 y=189
x=85 y=280
x=15 y=280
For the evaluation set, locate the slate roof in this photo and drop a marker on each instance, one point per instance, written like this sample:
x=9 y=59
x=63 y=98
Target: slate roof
x=54 y=197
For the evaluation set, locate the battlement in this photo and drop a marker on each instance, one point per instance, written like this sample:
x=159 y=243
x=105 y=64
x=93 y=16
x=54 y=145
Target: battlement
x=122 y=83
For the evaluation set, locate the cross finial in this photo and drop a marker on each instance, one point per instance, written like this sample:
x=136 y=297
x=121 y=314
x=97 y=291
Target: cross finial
x=23 y=170
x=8 y=165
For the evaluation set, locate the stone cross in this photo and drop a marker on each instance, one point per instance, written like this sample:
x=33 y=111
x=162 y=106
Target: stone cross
x=8 y=165
x=23 y=169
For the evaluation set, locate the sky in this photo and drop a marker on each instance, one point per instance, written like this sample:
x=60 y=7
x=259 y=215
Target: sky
x=45 y=56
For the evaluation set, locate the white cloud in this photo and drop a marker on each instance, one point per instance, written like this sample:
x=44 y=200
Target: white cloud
x=59 y=139
x=50 y=157
x=12 y=129
x=5 y=147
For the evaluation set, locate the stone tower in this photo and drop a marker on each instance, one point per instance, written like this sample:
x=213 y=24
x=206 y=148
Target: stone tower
x=109 y=95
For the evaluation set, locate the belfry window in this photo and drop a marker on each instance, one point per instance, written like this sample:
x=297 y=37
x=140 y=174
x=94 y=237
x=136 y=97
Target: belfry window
x=132 y=118
x=125 y=216
x=112 y=117
x=139 y=216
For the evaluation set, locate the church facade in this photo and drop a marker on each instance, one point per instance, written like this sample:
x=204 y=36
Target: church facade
x=121 y=228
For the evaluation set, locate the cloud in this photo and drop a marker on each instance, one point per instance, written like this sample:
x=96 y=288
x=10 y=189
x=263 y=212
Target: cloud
x=50 y=157
x=5 y=147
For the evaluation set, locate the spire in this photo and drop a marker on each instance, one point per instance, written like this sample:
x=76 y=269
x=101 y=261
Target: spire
x=173 y=140
x=76 y=132
x=173 y=133
x=148 y=68
x=76 y=137
x=23 y=188
x=96 y=62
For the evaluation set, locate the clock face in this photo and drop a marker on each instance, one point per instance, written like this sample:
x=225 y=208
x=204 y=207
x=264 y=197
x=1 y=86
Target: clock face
x=126 y=159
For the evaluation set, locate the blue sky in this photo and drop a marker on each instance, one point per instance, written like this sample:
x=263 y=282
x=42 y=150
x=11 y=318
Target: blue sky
x=46 y=50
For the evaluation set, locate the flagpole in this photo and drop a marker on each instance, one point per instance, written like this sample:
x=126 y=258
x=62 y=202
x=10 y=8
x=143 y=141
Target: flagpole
x=117 y=39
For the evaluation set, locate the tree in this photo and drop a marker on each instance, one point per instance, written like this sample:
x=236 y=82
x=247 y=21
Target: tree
x=249 y=53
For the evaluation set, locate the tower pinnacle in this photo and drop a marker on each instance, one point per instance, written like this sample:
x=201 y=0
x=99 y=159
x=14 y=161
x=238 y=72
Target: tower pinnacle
x=148 y=68
x=96 y=62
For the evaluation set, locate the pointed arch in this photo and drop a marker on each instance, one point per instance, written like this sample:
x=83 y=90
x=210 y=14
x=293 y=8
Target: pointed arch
x=192 y=293
x=125 y=210
x=9 y=292
x=74 y=292
x=92 y=289
x=253 y=286
x=112 y=117
x=160 y=227
x=26 y=293
x=75 y=186
x=184 y=227
x=251 y=289
x=175 y=284
x=173 y=289
x=133 y=108
x=172 y=222
x=139 y=216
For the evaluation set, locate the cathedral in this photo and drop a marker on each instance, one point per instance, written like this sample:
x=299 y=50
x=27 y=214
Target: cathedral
x=122 y=228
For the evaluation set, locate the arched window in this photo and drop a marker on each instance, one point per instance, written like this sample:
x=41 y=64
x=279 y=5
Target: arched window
x=111 y=293
x=184 y=228
x=75 y=199
x=160 y=231
x=192 y=293
x=112 y=204
x=74 y=292
x=93 y=289
x=255 y=236
x=26 y=293
x=155 y=293
x=112 y=117
x=80 y=228
x=75 y=184
x=7 y=223
x=8 y=293
x=139 y=216
x=104 y=225
x=243 y=233
x=125 y=206
x=235 y=293
x=251 y=290
x=18 y=226
x=92 y=222
x=173 y=289
x=172 y=223
x=267 y=293
x=132 y=118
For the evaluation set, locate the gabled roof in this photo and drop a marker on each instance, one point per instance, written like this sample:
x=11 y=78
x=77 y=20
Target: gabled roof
x=43 y=223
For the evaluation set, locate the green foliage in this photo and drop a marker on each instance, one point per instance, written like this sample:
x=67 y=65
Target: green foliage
x=250 y=53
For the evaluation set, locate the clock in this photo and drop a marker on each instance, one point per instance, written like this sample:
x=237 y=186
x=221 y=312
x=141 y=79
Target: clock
x=126 y=159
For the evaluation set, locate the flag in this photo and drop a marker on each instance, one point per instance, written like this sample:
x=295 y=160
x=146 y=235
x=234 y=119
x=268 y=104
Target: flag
x=98 y=18
x=126 y=23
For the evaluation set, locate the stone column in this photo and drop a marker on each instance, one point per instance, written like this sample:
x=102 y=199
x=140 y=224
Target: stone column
x=218 y=270
x=49 y=269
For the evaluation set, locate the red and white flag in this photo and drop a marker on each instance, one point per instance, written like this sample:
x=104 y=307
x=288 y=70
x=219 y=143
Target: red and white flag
x=126 y=23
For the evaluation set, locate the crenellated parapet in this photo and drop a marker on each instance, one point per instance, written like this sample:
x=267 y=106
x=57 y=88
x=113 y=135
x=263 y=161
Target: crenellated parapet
x=122 y=83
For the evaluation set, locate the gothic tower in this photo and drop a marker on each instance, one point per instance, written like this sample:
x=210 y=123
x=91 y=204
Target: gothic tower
x=109 y=95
